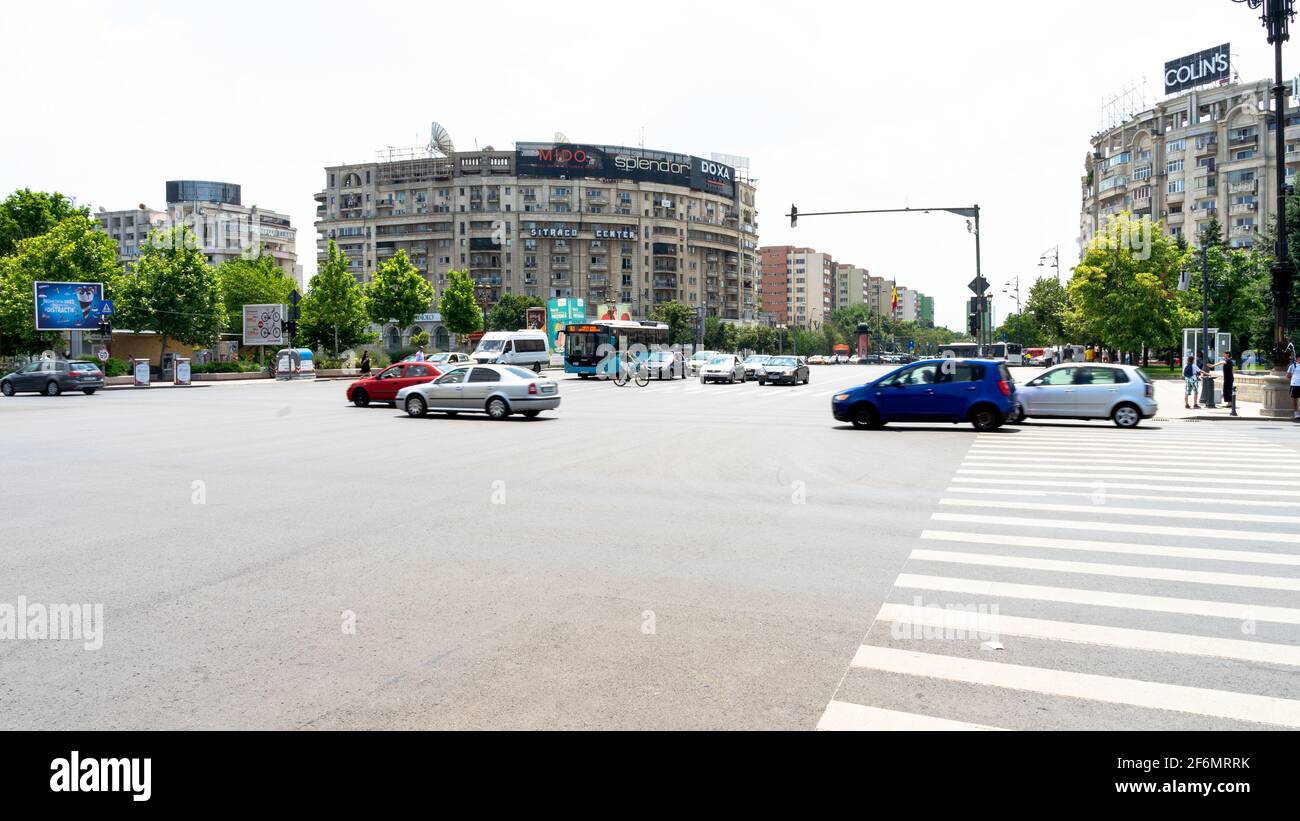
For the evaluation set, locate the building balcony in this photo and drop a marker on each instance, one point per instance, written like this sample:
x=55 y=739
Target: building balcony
x=665 y=282
x=1252 y=139
x=559 y=266
x=1212 y=147
x=1175 y=218
x=1243 y=208
x=1243 y=187
x=1243 y=230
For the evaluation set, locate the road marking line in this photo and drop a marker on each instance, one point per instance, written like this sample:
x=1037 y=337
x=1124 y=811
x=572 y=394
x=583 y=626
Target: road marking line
x=1100 y=474
x=1101 y=598
x=1123 y=571
x=1123 y=548
x=1191 y=470
x=1120 y=527
x=1023 y=493
x=1087 y=686
x=983 y=624
x=1096 y=485
x=1074 y=458
x=843 y=716
x=1110 y=510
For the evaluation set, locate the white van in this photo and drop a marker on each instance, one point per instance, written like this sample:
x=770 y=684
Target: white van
x=527 y=349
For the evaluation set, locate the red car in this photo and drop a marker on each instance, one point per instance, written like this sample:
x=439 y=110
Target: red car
x=383 y=386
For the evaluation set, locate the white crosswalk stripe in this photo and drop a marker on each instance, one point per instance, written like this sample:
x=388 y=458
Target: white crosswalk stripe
x=1109 y=577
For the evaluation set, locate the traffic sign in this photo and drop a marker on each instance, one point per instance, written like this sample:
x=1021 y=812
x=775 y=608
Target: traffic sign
x=979 y=285
x=107 y=308
x=295 y=297
x=103 y=354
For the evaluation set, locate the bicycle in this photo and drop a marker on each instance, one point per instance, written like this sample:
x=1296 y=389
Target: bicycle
x=632 y=371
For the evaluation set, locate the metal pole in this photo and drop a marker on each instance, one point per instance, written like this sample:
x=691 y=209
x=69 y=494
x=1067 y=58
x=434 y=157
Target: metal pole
x=1207 y=383
x=1283 y=271
x=983 y=303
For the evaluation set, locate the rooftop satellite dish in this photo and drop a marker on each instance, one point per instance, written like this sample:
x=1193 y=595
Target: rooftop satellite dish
x=561 y=137
x=440 y=141
x=141 y=206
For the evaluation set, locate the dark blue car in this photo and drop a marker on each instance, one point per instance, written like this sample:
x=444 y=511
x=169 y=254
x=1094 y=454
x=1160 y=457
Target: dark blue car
x=935 y=390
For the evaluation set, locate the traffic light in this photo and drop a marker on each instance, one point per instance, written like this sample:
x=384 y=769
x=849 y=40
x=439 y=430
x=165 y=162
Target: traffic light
x=794 y=215
x=105 y=327
x=292 y=328
x=973 y=324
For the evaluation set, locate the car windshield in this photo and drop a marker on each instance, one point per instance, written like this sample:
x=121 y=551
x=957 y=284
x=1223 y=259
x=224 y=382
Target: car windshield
x=702 y=355
x=522 y=374
x=661 y=355
x=439 y=357
x=84 y=366
x=720 y=360
x=782 y=361
x=491 y=345
x=758 y=360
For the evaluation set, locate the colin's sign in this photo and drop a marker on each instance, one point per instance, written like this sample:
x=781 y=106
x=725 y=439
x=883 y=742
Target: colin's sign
x=1197 y=69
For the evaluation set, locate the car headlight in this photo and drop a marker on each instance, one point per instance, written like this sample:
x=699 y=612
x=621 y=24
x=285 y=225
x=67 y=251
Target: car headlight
x=842 y=397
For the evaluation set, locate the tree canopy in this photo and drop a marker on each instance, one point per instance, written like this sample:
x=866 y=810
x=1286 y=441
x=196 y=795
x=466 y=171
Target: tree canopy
x=333 y=311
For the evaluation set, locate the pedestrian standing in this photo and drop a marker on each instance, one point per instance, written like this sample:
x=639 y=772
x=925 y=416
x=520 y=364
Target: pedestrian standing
x=419 y=355
x=365 y=363
x=1229 y=374
x=1294 y=371
x=1192 y=375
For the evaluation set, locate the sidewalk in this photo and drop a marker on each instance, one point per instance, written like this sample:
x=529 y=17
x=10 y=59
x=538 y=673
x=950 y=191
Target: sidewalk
x=1169 y=393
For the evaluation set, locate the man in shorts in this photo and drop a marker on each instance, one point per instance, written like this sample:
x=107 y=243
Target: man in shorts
x=1192 y=375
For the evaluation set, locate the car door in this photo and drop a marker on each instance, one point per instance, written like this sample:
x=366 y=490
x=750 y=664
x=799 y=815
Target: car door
x=955 y=389
x=1096 y=390
x=27 y=379
x=387 y=383
x=481 y=382
x=447 y=391
x=908 y=396
x=1051 y=394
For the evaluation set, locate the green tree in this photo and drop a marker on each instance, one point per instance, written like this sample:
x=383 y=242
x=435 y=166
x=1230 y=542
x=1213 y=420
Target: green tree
x=74 y=250
x=1021 y=329
x=333 y=311
x=460 y=311
x=511 y=312
x=419 y=339
x=172 y=291
x=397 y=293
x=679 y=318
x=802 y=342
x=719 y=335
x=1125 y=299
x=26 y=213
x=1048 y=306
x=256 y=281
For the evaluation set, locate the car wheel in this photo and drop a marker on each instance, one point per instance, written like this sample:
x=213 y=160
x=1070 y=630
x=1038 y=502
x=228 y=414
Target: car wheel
x=6 y=388
x=416 y=406
x=361 y=399
x=865 y=416
x=52 y=388
x=531 y=414
x=497 y=408
x=90 y=391
x=985 y=417
x=1126 y=416
x=762 y=381
x=1017 y=417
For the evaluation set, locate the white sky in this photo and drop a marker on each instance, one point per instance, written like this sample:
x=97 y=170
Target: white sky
x=838 y=105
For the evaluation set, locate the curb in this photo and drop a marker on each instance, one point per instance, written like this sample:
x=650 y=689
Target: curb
x=154 y=387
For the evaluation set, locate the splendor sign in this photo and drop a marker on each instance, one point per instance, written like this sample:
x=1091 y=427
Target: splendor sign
x=617 y=162
x=1197 y=69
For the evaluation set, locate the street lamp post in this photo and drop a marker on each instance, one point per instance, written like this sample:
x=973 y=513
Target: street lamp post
x=1006 y=289
x=1053 y=254
x=1276 y=17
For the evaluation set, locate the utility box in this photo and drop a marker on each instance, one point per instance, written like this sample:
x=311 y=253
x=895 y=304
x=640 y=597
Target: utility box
x=181 y=369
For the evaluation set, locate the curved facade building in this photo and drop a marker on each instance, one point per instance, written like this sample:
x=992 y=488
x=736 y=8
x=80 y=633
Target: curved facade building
x=605 y=223
x=1193 y=156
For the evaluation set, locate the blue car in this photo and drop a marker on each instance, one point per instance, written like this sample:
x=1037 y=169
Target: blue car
x=935 y=390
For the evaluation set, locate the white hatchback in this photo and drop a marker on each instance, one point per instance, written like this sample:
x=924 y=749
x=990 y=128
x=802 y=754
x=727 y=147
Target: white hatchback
x=1121 y=393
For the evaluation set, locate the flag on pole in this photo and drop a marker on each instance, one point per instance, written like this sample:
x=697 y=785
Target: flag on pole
x=893 y=305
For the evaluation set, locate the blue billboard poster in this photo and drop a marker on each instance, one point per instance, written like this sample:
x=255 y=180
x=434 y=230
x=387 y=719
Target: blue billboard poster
x=560 y=312
x=68 y=306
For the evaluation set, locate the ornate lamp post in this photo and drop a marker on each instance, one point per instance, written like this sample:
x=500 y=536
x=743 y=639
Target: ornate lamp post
x=1277 y=16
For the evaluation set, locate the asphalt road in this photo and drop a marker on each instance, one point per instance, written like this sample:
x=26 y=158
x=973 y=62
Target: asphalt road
x=676 y=556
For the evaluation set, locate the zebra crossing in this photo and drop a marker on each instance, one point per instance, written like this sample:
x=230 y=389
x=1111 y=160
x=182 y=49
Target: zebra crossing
x=1094 y=579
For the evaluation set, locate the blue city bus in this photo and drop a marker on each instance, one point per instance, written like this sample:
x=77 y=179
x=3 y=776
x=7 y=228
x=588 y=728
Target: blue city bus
x=588 y=347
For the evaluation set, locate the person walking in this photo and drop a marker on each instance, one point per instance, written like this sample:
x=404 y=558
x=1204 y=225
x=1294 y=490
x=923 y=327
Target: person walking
x=1229 y=374
x=1191 y=376
x=419 y=355
x=365 y=363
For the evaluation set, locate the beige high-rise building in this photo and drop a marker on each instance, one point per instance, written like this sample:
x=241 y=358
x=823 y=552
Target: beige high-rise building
x=605 y=223
x=852 y=286
x=1204 y=153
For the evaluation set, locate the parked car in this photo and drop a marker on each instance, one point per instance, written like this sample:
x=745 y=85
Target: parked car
x=788 y=369
x=871 y=359
x=52 y=377
x=528 y=349
x=1121 y=393
x=698 y=360
x=939 y=390
x=443 y=360
x=754 y=365
x=723 y=367
x=497 y=390
x=817 y=359
x=383 y=386
x=666 y=364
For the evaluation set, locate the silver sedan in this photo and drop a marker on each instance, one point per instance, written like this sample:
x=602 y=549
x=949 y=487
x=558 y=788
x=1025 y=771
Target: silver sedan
x=497 y=390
